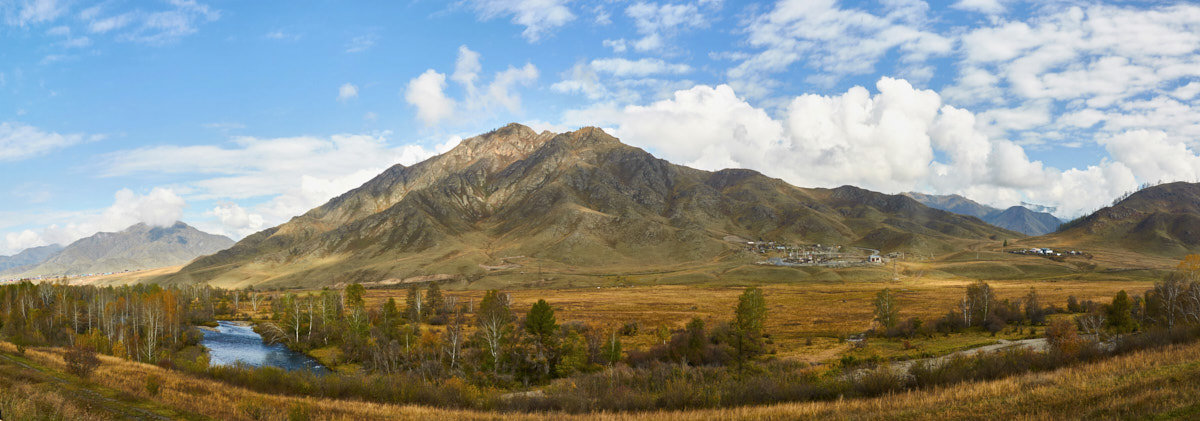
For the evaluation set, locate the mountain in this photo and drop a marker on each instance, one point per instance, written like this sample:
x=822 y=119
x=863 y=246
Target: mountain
x=28 y=257
x=576 y=200
x=1162 y=220
x=954 y=203
x=1017 y=218
x=138 y=247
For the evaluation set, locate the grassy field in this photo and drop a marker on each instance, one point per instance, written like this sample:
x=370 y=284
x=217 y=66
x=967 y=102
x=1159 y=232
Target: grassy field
x=1156 y=384
x=822 y=311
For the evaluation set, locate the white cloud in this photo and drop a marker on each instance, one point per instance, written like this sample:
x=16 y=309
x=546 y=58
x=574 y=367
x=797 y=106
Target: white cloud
x=467 y=69
x=833 y=41
x=100 y=26
x=657 y=22
x=500 y=91
x=292 y=174
x=1115 y=65
x=361 y=43
x=617 y=45
x=620 y=67
x=19 y=141
x=36 y=12
x=427 y=93
x=159 y=207
x=539 y=17
x=990 y=7
x=235 y=221
x=347 y=91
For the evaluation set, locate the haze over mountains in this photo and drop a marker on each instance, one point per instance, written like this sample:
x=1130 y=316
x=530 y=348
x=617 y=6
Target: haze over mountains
x=1017 y=218
x=580 y=198
x=138 y=247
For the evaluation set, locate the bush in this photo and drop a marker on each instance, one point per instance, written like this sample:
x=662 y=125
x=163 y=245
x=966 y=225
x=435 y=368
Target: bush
x=81 y=361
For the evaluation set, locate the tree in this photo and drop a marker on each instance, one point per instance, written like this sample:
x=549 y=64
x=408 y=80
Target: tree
x=540 y=323
x=391 y=317
x=612 y=348
x=435 y=303
x=1033 y=308
x=979 y=302
x=1063 y=338
x=415 y=306
x=1120 y=314
x=749 y=316
x=886 y=312
x=493 y=321
x=81 y=361
x=1165 y=301
x=354 y=295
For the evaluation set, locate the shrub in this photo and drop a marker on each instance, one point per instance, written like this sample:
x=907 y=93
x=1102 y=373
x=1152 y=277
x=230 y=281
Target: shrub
x=81 y=361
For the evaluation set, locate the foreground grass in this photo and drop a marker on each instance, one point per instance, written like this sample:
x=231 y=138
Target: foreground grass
x=1163 y=383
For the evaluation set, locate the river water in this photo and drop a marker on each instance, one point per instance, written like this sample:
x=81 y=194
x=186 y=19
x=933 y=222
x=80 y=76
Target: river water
x=233 y=343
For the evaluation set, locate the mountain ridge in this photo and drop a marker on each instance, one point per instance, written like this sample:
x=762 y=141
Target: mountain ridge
x=139 y=246
x=1016 y=218
x=574 y=199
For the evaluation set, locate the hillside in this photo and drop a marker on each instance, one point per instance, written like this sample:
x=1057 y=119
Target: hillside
x=1162 y=220
x=581 y=200
x=1017 y=218
x=28 y=257
x=138 y=247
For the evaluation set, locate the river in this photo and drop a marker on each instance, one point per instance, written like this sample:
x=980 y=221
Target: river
x=232 y=343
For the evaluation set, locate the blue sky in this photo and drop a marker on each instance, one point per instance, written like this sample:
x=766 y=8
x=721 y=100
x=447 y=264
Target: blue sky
x=235 y=116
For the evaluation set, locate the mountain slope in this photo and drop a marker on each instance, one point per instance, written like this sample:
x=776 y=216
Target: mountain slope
x=576 y=200
x=28 y=257
x=137 y=247
x=1021 y=219
x=1017 y=218
x=1162 y=220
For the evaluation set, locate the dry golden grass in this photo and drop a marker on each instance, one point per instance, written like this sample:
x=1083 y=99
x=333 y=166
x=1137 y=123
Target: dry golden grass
x=820 y=310
x=1164 y=382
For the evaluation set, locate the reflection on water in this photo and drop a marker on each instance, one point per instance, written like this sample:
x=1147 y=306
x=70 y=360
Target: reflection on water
x=233 y=343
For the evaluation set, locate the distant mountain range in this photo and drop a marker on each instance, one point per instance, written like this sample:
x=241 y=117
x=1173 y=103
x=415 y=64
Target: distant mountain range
x=1162 y=220
x=29 y=257
x=1017 y=218
x=138 y=247
x=580 y=199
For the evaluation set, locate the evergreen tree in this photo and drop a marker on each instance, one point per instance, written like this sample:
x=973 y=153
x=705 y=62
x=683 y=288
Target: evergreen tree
x=434 y=301
x=1120 y=315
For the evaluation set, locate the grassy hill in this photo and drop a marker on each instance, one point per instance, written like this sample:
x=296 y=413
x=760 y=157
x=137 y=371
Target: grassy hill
x=1162 y=220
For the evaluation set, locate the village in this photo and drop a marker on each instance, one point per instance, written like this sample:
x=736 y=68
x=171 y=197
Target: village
x=822 y=255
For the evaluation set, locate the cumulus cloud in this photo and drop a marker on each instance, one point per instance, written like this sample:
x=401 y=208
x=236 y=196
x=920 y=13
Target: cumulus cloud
x=898 y=139
x=539 y=17
x=427 y=92
x=20 y=141
x=158 y=207
x=347 y=91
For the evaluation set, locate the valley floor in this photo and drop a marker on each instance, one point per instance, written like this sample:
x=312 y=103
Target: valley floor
x=1154 y=384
